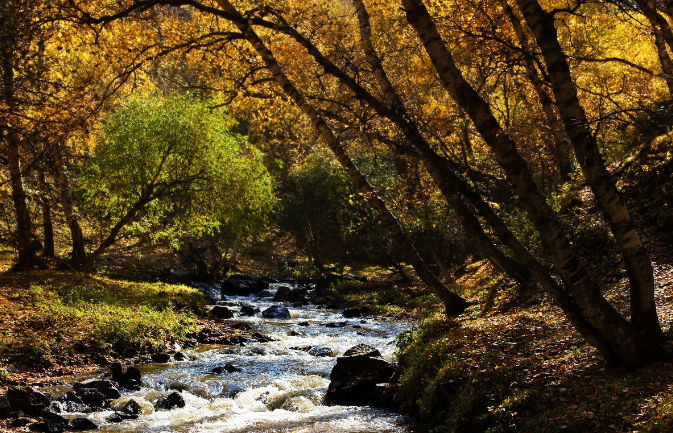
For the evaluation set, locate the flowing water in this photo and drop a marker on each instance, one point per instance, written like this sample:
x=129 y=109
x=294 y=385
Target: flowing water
x=278 y=389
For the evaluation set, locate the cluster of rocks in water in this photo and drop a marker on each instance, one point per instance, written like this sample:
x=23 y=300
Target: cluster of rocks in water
x=294 y=294
x=27 y=406
x=361 y=377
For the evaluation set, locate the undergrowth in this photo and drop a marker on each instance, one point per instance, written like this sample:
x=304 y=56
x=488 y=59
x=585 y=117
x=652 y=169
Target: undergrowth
x=49 y=316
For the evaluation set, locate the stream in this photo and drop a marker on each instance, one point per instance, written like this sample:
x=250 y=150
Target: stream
x=279 y=389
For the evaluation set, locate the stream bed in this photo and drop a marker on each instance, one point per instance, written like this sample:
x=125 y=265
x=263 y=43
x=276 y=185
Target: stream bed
x=279 y=388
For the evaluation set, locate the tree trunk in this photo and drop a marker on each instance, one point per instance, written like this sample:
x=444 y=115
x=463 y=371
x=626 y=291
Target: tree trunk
x=638 y=265
x=561 y=151
x=112 y=237
x=453 y=303
x=449 y=184
x=78 y=252
x=23 y=223
x=47 y=225
x=664 y=59
x=618 y=339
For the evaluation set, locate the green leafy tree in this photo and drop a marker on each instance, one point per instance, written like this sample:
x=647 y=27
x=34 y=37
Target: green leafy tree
x=169 y=165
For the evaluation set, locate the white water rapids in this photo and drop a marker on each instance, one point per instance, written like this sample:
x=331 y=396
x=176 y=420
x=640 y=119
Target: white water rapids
x=278 y=390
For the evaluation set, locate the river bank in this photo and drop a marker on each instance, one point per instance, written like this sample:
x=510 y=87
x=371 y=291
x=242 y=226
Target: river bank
x=276 y=365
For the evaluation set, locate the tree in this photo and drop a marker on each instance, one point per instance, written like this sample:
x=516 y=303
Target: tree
x=170 y=164
x=347 y=82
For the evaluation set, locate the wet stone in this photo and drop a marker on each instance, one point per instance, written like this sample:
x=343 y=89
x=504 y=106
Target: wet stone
x=229 y=368
x=352 y=313
x=82 y=424
x=179 y=356
x=5 y=408
x=249 y=310
x=161 y=358
x=93 y=398
x=104 y=386
x=118 y=417
x=276 y=312
x=170 y=401
x=132 y=407
x=53 y=423
x=220 y=311
x=336 y=324
x=321 y=351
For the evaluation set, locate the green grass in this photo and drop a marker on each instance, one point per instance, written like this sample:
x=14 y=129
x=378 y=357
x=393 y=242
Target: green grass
x=48 y=317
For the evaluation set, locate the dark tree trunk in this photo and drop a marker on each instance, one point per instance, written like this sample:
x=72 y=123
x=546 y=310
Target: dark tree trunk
x=23 y=223
x=78 y=252
x=47 y=225
x=638 y=265
x=561 y=150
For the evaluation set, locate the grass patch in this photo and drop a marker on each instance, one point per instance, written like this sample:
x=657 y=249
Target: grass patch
x=48 y=316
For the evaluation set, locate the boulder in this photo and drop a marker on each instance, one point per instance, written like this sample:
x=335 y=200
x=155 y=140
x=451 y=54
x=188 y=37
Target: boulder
x=179 y=356
x=351 y=313
x=182 y=276
x=283 y=294
x=160 y=358
x=104 y=386
x=25 y=400
x=211 y=336
x=229 y=368
x=304 y=324
x=170 y=401
x=211 y=291
x=5 y=408
x=354 y=378
x=52 y=422
x=276 y=312
x=288 y=294
x=69 y=402
x=249 y=310
x=121 y=371
x=239 y=287
x=261 y=338
x=219 y=311
x=132 y=407
x=130 y=384
x=93 y=398
x=265 y=294
x=82 y=424
x=118 y=417
x=269 y=280
x=321 y=351
x=336 y=324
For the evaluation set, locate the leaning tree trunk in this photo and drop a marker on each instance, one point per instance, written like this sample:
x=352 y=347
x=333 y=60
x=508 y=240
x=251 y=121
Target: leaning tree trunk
x=47 y=225
x=78 y=252
x=449 y=184
x=625 y=344
x=638 y=265
x=23 y=223
x=561 y=150
x=112 y=236
x=453 y=303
